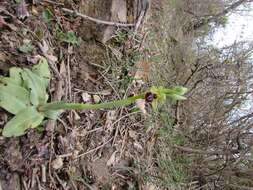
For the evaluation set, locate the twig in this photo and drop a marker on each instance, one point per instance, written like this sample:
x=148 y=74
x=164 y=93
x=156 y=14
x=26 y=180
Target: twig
x=34 y=171
x=38 y=182
x=72 y=181
x=139 y=21
x=65 y=155
x=118 y=120
x=95 y=149
x=24 y=184
x=53 y=2
x=69 y=86
x=97 y=20
x=60 y=181
x=43 y=173
x=107 y=80
x=123 y=144
x=117 y=128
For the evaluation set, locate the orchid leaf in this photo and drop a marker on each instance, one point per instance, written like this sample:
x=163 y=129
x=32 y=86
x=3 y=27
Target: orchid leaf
x=37 y=87
x=25 y=119
x=42 y=70
x=13 y=98
x=52 y=114
x=15 y=75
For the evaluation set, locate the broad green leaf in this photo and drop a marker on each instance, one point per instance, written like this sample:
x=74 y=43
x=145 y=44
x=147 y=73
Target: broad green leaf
x=13 y=98
x=37 y=87
x=42 y=69
x=15 y=75
x=52 y=114
x=25 y=119
x=4 y=80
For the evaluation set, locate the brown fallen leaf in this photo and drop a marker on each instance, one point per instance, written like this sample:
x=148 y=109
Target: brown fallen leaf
x=149 y=186
x=141 y=104
x=57 y=163
x=48 y=53
x=86 y=97
x=110 y=117
x=96 y=98
x=143 y=71
x=113 y=159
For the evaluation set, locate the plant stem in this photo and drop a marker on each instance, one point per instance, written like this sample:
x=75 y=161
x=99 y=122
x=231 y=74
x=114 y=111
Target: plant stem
x=78 y=106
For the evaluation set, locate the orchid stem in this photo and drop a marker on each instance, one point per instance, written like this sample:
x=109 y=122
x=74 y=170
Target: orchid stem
x=79 y=106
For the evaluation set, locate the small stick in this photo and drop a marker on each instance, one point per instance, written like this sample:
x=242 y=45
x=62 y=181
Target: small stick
x=95 y=149
x=53 y=2
x=60 y=181
x=34 y=171
x=38 y=182
x=24 y=184
x=43 y=173
x=97 y=20
x=141 y=17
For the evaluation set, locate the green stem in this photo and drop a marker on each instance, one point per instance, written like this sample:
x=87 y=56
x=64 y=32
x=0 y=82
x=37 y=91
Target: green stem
x=78 y=106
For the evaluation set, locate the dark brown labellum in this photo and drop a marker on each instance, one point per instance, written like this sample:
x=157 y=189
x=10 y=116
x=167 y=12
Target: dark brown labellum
x=149 y=97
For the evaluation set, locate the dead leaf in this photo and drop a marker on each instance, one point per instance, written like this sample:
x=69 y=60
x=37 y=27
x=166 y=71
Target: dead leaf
x=48 y=53
x=86 y=97
x=76 y=116
x=104 y=92
x=34 y=59
x=133 y=134
x=112 y=160
x=57 y=163
x=96 y=98
x=3 y=56
x=44 y=48
x=34 y=10
x=100 y=170
x=140 y=103
x=110 y=117
x=138 y=146
x=149 y=186
x=22 y=12
x=142 y=73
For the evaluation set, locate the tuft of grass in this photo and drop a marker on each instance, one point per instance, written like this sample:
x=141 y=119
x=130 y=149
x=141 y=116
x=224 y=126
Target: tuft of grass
x=170 y=168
